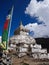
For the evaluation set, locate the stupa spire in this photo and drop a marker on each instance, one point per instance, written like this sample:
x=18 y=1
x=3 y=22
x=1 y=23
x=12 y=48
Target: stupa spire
x=21 y=25
x=20 y=22
x=21 y=28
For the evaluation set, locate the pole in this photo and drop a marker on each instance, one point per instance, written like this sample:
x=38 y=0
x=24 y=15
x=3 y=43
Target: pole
x=9 y=32
x=10 y=24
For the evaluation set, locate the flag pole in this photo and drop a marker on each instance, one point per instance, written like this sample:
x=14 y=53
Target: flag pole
x=10 y=25
x=9 y=30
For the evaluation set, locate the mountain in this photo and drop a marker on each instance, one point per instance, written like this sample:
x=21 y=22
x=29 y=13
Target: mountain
x=43 y=41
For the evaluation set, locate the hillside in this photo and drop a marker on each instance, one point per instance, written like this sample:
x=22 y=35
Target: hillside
x=44 y=42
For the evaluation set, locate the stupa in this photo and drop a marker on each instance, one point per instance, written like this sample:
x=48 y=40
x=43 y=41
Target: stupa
x=24 y=44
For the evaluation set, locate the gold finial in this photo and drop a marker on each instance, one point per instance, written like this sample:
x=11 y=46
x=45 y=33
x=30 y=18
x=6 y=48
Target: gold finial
x=20 y=22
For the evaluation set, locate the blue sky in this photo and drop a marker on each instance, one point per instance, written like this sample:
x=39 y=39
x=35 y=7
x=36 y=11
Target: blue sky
x=18 y=14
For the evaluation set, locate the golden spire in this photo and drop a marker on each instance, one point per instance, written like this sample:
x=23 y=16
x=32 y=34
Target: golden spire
x=21 y=23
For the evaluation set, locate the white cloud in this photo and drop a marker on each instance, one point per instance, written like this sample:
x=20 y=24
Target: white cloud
x=41 y=10
x=39 y=30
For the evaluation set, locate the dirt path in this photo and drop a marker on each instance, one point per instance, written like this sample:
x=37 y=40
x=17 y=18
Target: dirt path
x=28 y=60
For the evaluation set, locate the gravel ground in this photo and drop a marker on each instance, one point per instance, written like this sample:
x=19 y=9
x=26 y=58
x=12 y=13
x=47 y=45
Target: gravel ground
x=28 y=60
